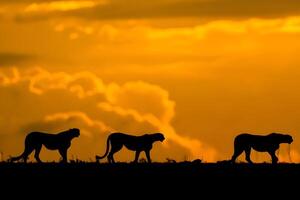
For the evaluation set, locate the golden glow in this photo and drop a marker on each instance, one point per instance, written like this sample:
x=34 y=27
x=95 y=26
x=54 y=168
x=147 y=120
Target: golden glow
x=61 y=6
x=82 y=116
x=201 y=80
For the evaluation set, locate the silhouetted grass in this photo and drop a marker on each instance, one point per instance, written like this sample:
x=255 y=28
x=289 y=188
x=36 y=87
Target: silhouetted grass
x=145 y=170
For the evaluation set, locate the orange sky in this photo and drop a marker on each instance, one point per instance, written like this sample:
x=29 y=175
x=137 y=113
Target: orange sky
x=200 y=71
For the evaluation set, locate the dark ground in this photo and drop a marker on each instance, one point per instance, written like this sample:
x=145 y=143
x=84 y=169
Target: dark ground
x=186 y=177
x=144 y=170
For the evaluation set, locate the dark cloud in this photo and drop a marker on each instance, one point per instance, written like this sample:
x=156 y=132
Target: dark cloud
x=210 y=9
x=192 y=8
x=14 y=58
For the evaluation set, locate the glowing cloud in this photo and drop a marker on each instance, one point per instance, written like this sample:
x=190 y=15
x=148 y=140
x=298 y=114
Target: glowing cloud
x=66 y=116
x=61 y=6
x=141 y=101
x=124 y=101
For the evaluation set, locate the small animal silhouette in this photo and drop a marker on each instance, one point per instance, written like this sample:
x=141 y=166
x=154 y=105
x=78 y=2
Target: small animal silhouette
x=134 y=143
x=268 y=143
x=35 y=140
x=169 y=160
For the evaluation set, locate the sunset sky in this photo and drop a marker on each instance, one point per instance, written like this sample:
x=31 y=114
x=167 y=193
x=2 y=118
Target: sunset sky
x=199 y=71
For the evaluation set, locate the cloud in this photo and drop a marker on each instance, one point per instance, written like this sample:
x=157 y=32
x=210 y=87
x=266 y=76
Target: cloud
x=6 y=80
x=132 y=95
x=82 y=84
x=26 y=2
x=74 y=116
x=205 y=9
x=193 y=8
x=60 y=6
x=22 y=1
x=196 y=147
x=8 y=59
x=140 y=101
x=158 y=110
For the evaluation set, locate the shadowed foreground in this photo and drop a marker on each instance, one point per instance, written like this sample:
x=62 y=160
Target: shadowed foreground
x=168 y=179
x=149 y=171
